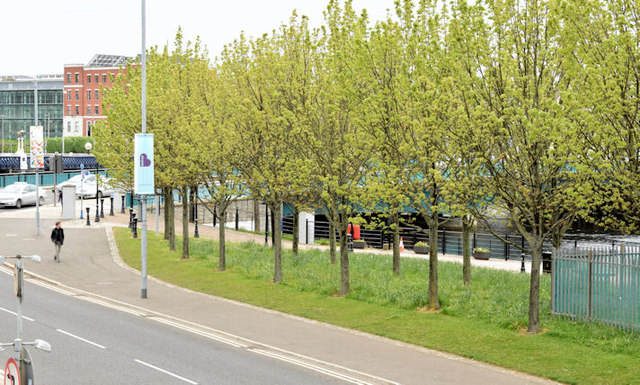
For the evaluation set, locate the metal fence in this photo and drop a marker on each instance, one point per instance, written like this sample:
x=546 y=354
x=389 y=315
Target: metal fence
x=600 y=285
x=449 y=241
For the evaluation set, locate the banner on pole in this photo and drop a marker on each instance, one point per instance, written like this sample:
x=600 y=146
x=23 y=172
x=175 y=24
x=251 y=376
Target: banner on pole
x=144 y=165
x=37 y=150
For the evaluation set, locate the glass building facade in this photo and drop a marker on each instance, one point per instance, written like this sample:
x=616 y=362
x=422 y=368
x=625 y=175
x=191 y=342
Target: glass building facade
x=20 y=97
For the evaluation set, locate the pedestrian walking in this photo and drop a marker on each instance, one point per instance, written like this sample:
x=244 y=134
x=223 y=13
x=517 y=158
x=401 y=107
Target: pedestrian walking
x=57 y=237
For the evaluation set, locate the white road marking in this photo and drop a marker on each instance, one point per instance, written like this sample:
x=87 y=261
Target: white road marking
x=311 y=367
x=50 y=287
x=28 y=239
x=11 y=235
x=81 y=339
x=166 y=372
x=16 y=314
x=111 y=306
x=199 y=332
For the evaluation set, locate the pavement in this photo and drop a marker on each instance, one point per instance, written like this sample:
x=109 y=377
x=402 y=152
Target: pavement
x=91 y=269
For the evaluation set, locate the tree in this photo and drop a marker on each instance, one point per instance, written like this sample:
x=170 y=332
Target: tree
x=264 y=74
x=217 y=171
x=388 y=63
x=339 y=148
x=530 y=153
x=605 y=40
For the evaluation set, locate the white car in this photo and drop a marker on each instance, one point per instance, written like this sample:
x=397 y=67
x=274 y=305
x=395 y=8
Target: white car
x=88 y=189
x=20 y=194
x=76 y=181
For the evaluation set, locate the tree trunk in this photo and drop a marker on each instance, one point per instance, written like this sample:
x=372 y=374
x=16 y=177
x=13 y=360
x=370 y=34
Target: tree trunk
x=275 y=224
x=534 y=286
x=222 y=259
x=185 y=223
x=467 y=225
x=276 y=212
x=396 y=243
x=344 y=257
x=296 y=230
x=169 y=218
x=332 y=244
x=256 y=216
x=434 y=303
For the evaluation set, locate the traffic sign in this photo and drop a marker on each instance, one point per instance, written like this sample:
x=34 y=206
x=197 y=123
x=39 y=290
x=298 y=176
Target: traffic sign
x=11 y=373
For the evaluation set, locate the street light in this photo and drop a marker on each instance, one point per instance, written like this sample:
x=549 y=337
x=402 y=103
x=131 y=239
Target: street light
x=88 y=146
x=48 y=117
x=2 y=117
x=24 y=360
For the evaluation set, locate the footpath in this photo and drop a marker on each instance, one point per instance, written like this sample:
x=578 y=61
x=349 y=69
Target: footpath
x=91 y=269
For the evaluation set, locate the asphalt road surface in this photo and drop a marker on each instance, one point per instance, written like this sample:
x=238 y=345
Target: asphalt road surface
x=92 y=344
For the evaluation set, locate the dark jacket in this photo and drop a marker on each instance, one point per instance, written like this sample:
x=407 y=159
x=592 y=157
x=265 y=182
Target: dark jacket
x=57 y=235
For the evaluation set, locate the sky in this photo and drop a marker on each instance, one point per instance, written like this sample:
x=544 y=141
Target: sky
x=41 y=36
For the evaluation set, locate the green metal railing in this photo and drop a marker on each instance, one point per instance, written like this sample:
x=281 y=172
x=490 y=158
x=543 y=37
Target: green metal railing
x=601 y=285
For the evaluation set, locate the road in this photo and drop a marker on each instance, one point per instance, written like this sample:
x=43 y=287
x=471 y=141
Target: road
x=93 y=344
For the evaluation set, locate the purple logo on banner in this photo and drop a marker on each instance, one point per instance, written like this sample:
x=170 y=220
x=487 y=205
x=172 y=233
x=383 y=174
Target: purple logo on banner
x=144 y=161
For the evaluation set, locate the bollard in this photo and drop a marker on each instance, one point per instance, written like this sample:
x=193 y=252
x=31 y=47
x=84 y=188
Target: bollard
x=196 y=233
x=101 y=207
x=237 y=219
x=111 y=210
x=122 y=207
x=135 y=228
x=522 y=269
x=134 y=220
x=130 y=217
x=88 y=223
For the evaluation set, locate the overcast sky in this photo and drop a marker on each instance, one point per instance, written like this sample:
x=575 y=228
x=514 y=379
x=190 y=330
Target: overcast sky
x=41 y=36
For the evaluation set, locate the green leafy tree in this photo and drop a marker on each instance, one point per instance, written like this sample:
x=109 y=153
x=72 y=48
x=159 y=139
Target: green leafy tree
x=605 y=39
x=530 y=153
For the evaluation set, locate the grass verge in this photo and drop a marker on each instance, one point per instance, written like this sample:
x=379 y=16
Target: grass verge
x=483 y=322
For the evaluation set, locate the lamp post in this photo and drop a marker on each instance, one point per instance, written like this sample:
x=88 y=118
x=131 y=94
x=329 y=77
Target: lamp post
x=2 y=117
x=89 y=146
x=46 y=138
x=24 y=369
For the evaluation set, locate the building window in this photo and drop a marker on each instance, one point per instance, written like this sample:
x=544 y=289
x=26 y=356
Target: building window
x=68 y=95
x=88 y=109
x=88 y=94
x=68 y=126
x=97 y=111
x=77 y=95
x=88 y=78
x=69 y=110
x=68 y=77
x=77 y=126
x=97 y=78
x=77 y=109
x=104 y=78
x=97 y=96
x=88 y=128
x=77 y=77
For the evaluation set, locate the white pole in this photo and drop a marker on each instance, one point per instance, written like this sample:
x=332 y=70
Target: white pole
x=143 y=215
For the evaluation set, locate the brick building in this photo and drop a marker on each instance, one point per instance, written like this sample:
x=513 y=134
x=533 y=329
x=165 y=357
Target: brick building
x=83 y=86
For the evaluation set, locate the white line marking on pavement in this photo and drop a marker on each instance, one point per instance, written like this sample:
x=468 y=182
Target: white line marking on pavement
x=28 y=239
x=166 y=372
x=11 y=235
x=81 y=339
x=50 y=287
x=16 y=314
x=110 y=305
x=199 y=332
x=311 y=367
